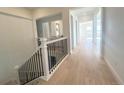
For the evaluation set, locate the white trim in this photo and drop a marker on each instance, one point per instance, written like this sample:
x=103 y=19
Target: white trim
x=31 y=82
x=117 y=77
x=45 y=59
x=51 y=15
x=12 y=15
x=59 y=39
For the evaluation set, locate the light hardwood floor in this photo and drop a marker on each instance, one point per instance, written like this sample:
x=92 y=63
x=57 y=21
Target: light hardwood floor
x=84 y=66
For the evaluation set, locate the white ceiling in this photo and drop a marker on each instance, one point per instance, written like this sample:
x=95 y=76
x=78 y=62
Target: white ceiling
x=31 y=8
x=84 y=11
x=84 y=14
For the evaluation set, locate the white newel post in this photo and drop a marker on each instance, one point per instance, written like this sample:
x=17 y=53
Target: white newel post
x=45 y=58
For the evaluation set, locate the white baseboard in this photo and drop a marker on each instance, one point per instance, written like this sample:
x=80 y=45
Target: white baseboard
x=34 y=82
x=117 y=77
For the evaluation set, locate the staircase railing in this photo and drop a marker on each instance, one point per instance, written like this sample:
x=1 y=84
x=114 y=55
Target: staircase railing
x=44 y=60
x=32 y=69
x=56 y=52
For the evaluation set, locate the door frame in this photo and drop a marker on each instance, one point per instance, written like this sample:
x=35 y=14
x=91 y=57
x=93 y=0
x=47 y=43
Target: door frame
x=102 y=32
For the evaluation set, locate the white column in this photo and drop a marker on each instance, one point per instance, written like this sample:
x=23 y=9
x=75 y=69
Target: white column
x=45 y=59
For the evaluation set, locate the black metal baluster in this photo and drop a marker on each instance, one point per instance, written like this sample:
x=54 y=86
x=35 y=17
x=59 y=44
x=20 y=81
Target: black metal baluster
x=34 y=66
x=55 y=51
x=31 y=67
x=60 y=44
x=40 y=64
x=66 y=46
x=41 y=61
x=20 y=75
x=24 y=73
x=29 y=76
x=27 y=71
x=50 y=56
x=37 y=64
x=55 y=54
x=38 y=71
x=63 y=47
x=59 y=51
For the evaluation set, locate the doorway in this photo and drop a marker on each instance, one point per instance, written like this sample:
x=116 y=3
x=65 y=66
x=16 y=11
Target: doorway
x=86 y=26
x=86 y=34
x=91 y=32
x=98 y=32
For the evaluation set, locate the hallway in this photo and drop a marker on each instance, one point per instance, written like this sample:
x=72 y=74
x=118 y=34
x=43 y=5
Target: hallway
x=82 y=67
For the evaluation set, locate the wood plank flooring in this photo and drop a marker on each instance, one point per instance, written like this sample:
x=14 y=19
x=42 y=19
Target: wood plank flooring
x=83 y=67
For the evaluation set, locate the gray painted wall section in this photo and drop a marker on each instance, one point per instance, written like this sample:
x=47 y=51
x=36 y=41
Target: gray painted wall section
x=114 y=38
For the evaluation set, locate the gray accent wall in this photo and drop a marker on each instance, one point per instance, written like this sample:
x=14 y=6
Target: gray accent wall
x=114 y=38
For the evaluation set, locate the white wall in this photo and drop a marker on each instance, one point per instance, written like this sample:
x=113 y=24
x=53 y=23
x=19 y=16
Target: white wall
x=16 y=42
x=74 y=30
x=114 y=38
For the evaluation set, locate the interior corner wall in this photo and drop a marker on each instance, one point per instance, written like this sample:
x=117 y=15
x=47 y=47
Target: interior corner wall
x=114 y=39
